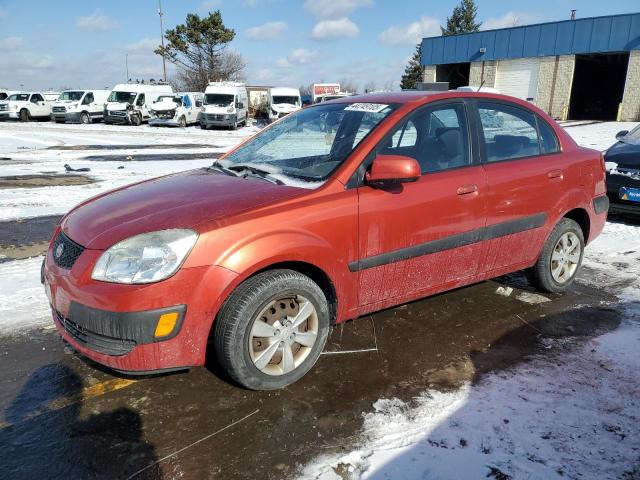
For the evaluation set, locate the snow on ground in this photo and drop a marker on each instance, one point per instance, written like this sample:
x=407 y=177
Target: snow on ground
x=572 y=413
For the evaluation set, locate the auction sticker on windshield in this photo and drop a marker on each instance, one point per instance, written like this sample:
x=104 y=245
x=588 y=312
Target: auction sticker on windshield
x=630 y=194
x=366 y=107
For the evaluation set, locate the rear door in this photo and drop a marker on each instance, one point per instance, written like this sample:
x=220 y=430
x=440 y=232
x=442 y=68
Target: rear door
x=525 y=173
x=415 y=238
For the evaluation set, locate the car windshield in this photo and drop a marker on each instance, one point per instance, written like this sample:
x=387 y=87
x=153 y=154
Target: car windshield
x=70 y=96
x=291 y=100
x=122 y=97
x=173 y=98
x=633 y=137
x=19 y=97
x=305 y=148
x=218 y=99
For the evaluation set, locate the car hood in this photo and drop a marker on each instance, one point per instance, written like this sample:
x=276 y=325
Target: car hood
x=624 y=155
x=183 y=200
x=117 y=105
x=162 y=105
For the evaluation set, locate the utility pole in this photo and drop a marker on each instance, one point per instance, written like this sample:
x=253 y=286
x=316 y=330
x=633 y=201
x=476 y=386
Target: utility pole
x=164 y=63
x=126 y=62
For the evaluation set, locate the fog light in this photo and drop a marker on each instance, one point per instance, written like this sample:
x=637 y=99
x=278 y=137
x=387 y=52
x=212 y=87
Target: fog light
x=166 y=324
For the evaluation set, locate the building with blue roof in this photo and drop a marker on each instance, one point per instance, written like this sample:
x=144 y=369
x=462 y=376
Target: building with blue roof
x=585 y=68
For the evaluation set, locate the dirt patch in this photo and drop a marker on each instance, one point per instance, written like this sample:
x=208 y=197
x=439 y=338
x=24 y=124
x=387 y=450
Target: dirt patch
x=35 y=181
x=150 y=157
x=132 y=147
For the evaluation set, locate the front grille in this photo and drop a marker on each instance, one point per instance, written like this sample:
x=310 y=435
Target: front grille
x=95 y=341
x=65 y=251
x=213 y=116
x=59 y=109
x=4 y=108
x=168 y=114
x=117 y=113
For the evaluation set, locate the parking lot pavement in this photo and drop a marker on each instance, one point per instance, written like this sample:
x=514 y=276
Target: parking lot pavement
x=63 y=417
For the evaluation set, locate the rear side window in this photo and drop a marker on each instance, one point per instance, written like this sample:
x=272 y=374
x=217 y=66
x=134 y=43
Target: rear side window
x=435 y=136
x=509 y=132
x=548 y=140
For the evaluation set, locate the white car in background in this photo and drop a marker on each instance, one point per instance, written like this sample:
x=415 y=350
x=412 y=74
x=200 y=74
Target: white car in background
x=226 y=104
x=28 y=105
x=177 y=110
x=6 y=93
x=79 y=106
x=282 y=102
x=129 y=103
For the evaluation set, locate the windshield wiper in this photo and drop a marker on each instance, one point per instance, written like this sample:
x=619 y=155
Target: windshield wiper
x=256 y=172
x=218 y=167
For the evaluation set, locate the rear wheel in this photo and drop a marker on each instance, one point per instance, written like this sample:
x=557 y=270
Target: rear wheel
x=24 y=115
x=560 y=259
x=272 y=329
x=182 y=122
x=203 y=126
x=85 y=118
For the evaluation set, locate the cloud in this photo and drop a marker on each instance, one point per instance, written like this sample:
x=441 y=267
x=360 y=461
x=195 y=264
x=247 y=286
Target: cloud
x=338 y=28
x=96 y=23
x=510 y=19
x=267 y=31
x=412 y=33
x=210 y=4
x=299 y=56
x=10 y=42
x=334 y=8
x=3 y=12
x=145 y=45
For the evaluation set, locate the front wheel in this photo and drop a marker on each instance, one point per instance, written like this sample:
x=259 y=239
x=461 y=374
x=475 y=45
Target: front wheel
x=24 y=115
x=85 y=118
x=272 y=329
x=182 y=122
x=560 y=259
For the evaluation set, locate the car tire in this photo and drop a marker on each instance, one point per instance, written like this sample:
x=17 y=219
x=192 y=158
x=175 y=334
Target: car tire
x=25 y=116
x=85 y=118
x=560 y=260
x=203 y=126
x=250 y=341
x=136 y=120
x=182 y=122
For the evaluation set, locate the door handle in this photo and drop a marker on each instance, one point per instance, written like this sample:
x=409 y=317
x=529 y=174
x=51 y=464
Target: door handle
x=555 y=174
x=467 y=189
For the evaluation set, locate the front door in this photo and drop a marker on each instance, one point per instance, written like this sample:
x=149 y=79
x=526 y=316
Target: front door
x=38 y=107
x=525 y=175
x=417 y=238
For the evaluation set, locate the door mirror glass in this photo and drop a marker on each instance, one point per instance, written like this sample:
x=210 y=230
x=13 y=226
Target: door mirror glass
x=621 y=134
x=389 y=169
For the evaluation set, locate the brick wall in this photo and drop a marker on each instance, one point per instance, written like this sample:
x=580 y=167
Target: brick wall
x=631 y=97
x=553 y=95
x=475 y=73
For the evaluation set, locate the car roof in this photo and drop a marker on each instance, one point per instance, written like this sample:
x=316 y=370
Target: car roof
x=419 y=96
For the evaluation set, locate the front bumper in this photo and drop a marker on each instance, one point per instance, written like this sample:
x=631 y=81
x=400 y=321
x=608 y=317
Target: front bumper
x=218 y=120
x=9 y=115
x=118 y=116
x=114 y=324
x=163 y=122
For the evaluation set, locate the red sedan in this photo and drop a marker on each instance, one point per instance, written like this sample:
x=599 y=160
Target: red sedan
x=338 y=210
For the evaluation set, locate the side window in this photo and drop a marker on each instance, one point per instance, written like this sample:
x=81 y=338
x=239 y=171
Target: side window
x=548 y=140
x=509 y=132
x=88 y=99
x=140 y=101
x=36 y=98
x=435 y=136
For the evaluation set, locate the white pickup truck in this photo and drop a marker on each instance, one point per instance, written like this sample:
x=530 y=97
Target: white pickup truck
x=177 y=110
x=28 y=105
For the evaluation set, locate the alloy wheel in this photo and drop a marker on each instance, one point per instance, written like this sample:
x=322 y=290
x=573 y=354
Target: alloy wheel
x=565 y=257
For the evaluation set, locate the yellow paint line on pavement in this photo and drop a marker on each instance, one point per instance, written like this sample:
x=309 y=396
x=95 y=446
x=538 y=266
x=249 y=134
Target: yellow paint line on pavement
x=87 y=393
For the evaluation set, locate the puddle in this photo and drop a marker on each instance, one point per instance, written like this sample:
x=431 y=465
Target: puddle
x=35 y=181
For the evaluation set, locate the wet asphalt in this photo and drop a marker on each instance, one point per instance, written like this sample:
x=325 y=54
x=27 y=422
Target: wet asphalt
x=63 y=417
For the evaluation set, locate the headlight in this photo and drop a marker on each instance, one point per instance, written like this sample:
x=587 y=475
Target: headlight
x=230 y=109
x=145 y=258
x=152 y=112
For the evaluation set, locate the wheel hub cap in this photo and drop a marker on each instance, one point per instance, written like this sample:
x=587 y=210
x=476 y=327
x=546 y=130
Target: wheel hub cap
x=565 y=257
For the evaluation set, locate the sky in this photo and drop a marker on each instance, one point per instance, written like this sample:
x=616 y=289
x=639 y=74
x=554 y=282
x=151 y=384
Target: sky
x=84 y=43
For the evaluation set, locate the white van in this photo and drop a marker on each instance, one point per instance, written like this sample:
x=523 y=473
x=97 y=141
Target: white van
x=79 y=106
x=129 y=103
x=176 y=110
x=27 y=106
x=226 y=104
x=283 y=101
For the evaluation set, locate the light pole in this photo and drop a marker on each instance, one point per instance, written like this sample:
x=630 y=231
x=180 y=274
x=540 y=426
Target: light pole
x=164 y=64
x=126 y=62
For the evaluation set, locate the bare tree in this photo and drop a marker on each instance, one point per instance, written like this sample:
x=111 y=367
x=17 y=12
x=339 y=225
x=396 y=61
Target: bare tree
x=348 y=85
x=370 y=86
x=306 y=89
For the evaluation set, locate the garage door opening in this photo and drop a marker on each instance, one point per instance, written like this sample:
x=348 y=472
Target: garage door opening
x=457 y=74
x=598 y=86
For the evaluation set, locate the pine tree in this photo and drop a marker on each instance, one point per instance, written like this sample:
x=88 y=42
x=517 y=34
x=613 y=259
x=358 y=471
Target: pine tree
x=462 y=19
x=413 y=71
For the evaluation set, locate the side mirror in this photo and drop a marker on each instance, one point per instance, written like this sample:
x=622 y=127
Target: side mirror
x=621 y=134
x=387 y=169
